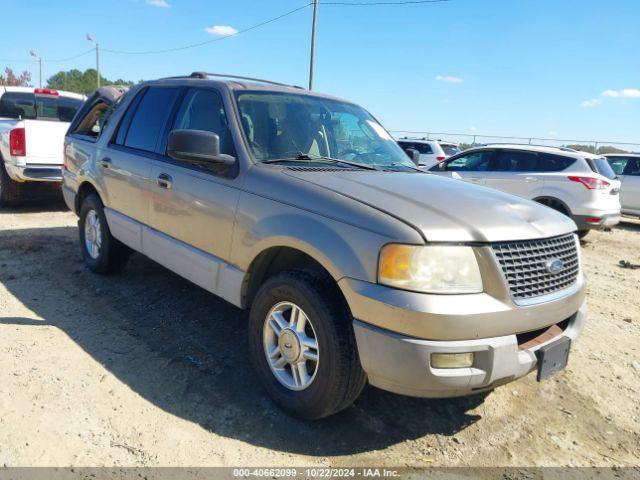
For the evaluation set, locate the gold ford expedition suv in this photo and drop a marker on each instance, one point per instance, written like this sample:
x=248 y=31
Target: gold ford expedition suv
x=356 y=266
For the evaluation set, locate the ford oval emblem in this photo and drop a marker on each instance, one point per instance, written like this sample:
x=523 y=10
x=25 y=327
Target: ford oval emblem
x=554 y=266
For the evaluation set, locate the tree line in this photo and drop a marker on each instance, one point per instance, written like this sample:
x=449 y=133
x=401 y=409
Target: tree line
x=71 y=81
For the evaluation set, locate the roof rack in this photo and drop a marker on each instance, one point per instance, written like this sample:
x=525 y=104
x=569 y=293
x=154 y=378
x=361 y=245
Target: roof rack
x=239 y=77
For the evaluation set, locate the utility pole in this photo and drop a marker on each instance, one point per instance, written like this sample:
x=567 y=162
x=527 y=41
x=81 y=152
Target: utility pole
x=90 y=38
x=313 y=42
x=39 y=59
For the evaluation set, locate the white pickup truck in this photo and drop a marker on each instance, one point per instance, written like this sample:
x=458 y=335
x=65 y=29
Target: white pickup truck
x=33 y=123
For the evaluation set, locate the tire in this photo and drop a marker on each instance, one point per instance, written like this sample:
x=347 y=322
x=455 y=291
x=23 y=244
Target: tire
x=583 y=233
x=337 y=378
x=9 y=189
x=109 y=255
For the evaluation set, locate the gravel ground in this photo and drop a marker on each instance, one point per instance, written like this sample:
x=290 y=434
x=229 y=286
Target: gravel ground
x=144 y=368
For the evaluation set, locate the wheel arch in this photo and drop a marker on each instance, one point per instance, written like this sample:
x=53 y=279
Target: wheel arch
x=554 y=202
x=275 y=259
x=86 y=188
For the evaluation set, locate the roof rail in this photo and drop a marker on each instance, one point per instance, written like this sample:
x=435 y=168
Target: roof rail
x=239 y=77
x=515 y=144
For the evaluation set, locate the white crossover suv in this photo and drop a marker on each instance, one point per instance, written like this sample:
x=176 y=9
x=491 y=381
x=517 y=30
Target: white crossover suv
x=578 y=184
x=431 y=151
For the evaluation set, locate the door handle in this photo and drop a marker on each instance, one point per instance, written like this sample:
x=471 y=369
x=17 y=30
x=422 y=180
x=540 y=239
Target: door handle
x=164 y=181
x=530 y=179
x=105 y=162
x=474 y=179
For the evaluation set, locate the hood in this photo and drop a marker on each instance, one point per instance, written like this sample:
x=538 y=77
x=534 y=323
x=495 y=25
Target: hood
x=445 y=210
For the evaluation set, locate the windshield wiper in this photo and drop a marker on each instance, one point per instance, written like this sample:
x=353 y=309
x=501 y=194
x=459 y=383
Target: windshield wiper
x=321 y=159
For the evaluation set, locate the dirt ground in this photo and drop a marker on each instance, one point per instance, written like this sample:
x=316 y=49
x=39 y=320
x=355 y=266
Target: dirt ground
x=144 y=368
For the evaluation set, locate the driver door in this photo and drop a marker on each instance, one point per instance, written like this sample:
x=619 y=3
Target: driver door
x=470 y=167
x=190 y=204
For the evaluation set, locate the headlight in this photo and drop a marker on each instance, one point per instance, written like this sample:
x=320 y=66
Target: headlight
x=430 y=269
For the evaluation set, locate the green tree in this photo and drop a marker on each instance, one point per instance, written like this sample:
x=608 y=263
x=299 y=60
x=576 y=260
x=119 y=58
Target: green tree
x=602 y=150
x=10 y=79
x=81 y=82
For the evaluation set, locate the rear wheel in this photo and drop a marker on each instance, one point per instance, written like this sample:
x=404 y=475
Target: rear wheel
x=9 y=189
x=101 y=252
x=302 y=345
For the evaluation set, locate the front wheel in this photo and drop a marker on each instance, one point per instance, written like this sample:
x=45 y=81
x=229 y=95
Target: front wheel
x=101 y=252
x=302 y=345
x=582 y=233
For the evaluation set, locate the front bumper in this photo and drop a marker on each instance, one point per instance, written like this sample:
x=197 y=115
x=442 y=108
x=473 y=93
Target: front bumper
x=401 y=364
x=34 y=172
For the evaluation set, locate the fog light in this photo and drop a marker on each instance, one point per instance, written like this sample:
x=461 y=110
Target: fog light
x=595 y=220
x=451 y=360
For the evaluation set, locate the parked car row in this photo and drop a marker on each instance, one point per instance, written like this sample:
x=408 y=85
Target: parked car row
x=355 y=264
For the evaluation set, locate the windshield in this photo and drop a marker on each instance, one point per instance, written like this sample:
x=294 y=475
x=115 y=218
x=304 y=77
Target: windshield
x=281 y=126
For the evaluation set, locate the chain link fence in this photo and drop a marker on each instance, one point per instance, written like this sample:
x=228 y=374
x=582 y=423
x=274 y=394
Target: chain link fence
x=468 y=140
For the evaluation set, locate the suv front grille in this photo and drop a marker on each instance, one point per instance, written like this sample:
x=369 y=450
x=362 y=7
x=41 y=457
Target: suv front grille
x=527 y=265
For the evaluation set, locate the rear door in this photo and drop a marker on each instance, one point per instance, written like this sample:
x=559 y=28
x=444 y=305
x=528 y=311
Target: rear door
x=630 y=191
x=515 y=172
x=126 y=164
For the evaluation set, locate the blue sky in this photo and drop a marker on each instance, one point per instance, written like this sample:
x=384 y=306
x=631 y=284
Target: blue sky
x=559 y=68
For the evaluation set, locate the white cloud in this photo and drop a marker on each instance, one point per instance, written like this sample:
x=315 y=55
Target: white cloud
x=473 y=129
x=224 y=30
x=448 y=79
x=594 y=102
x=552 y=133
x=624 y=93
x=158 y=3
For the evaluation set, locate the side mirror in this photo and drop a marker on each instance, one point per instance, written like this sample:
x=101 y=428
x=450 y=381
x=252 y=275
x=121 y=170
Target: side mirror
x=442 y=166
x=197 y=146
x=413 y=155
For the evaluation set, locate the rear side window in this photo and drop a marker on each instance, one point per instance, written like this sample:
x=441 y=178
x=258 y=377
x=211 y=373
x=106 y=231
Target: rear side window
x=601 y=166
x=553 y=163
x=30 y=106
x=618 y=164
x=633 y=167
x=149 y=118
x=516 y=161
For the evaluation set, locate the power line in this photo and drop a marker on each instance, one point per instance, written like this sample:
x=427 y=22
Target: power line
x=193 y=45
x=69 y=58
x=56 y=60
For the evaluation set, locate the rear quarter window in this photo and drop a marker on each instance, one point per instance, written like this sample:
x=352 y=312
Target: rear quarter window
x=601 y=166
x=450 y=150
x=554 y=163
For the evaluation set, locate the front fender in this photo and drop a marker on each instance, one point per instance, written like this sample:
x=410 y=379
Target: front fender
x=343 y=250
